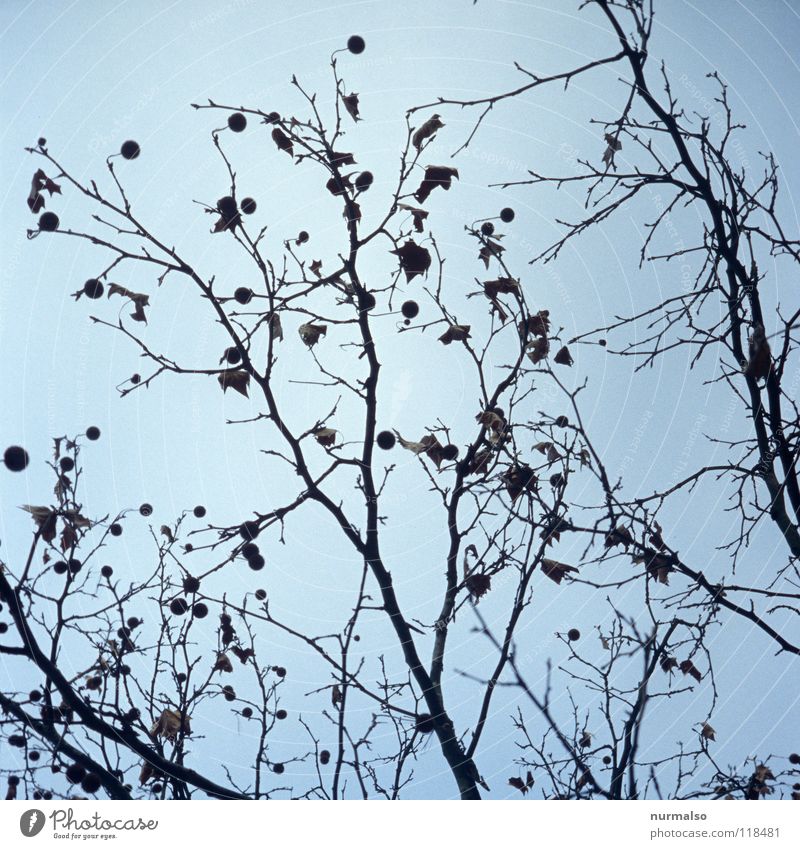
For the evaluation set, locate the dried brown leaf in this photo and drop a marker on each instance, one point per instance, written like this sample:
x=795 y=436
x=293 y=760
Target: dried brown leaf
x=419 y=215
x=556 y=571
x=478 y=585
x=688 y=668
x=428 y=129
x=140 y=301
x=455 y=333
x=563 y=357
x=236 y=379
x=414 y=259
x=326 y=436
x=311 y=333
x=538 y=349
x=282 y=141
x=537 y=324
x=488 y=250
x=759 y=362
x=275 y=325
x=435 y=175
x=351 y=105
x=45 y=519
x=223 y=663
x=170 y=724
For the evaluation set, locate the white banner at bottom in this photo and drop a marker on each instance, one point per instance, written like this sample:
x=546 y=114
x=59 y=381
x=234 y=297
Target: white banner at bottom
x=352 y=825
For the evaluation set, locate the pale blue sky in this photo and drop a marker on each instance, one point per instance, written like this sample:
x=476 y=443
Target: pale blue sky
x=89 y=74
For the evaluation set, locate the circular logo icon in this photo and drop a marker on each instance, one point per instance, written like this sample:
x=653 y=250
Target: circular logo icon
x=31 y=822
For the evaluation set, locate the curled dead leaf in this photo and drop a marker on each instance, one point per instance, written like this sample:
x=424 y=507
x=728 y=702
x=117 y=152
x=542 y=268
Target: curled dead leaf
x=428 y=129
x=556 y=571
x=491 y=420
x=668 y=663
x=236 y=379
x=620 y=535
x=243 y=654
x=338 y=159
x=275 y=325
x=75 y=518
x=688 y=668
x=518 y=479
x=478 y=585
x=283 y=141
x=352 y=211
x=140 y=301
x=419 y=215
x=613 y=144
x=311 y=333
x=523 y=785
x=435 y=175
x=455 y=333
x=658 y=565
x=538 y=349
x=479 y=462
x=41 y=182
x=760 y=358
x=707 y=732
x=429 y=445
x=147 y=773
x=170 y=724
x=488 y=250
x=351 y=105
x=763 y=773
x=500 y=286
x=223 y=663
x=339 y=185
x=45 y=519
x=414 y=259
x=553 y=454
x=229 y=215
x=537 y=324
x=69 y=538
x=326 y=436
x=563 y=357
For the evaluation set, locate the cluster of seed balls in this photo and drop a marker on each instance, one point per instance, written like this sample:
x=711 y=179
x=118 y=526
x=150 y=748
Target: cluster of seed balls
x=16 y=458
x=49 y=221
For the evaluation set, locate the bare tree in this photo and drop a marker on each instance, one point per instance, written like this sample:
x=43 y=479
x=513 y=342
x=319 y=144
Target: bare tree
x=506 y=483
x=730 y=313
